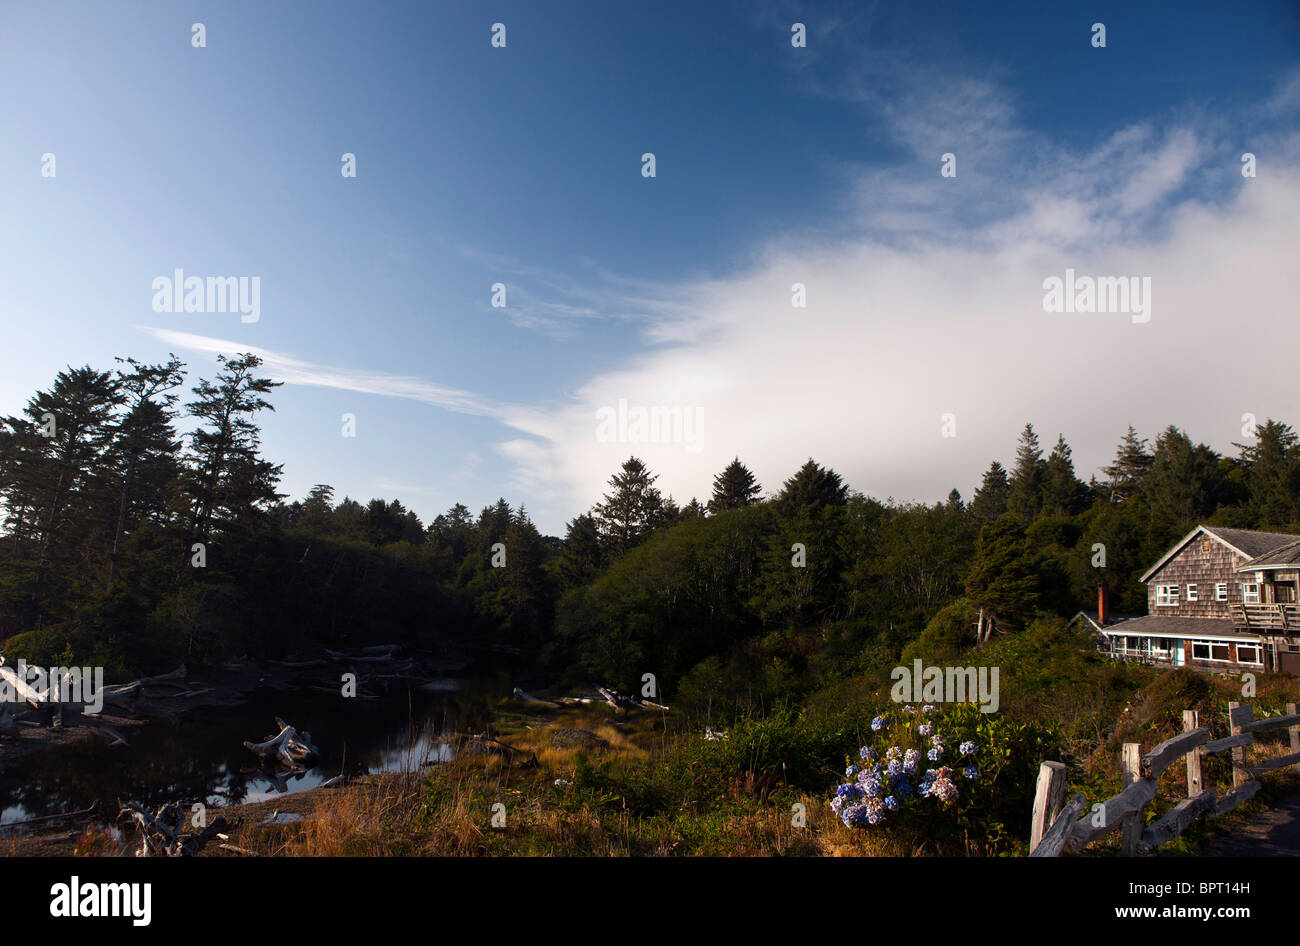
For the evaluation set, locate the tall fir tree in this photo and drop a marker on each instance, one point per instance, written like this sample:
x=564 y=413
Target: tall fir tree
x=990 y=499
x=631 y=510
x=734 y=488
x=1132 y=463
x=1025 y=497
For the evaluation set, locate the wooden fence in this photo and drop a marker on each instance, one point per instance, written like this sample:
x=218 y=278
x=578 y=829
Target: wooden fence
x=1071 y=829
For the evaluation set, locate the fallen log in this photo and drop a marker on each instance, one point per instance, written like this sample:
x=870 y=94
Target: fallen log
x=160 y=832
x=525 y=698
x=289 y=746
x=44 y=818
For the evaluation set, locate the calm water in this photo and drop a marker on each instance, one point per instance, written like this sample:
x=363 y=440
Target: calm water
x=203 y=759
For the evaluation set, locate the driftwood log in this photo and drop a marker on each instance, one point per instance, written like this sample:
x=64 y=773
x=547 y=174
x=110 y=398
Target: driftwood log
x=160 y=833
x=288 y=746
x=525 y=698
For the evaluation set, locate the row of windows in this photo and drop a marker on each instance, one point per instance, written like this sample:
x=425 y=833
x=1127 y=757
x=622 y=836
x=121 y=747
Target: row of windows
x=1163 y=647
x=1167 y=595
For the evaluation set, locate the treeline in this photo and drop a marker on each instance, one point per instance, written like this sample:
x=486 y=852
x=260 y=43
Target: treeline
x=128 y=544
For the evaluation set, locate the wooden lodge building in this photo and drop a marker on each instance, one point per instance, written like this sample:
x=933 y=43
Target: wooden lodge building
x=1220 y=599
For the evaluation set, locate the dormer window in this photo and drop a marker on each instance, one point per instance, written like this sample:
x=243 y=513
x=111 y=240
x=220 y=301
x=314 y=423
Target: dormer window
x=1166 y=596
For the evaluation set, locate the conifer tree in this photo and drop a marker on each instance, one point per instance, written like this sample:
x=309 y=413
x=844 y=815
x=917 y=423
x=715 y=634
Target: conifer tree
x=631 y=510
x=990 y=500
x=1025 y=498
x=734 y=487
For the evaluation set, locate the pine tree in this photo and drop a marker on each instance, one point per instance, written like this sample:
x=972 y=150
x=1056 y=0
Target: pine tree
x=990 y=500
x=229 y=478
x=581 y=556
x=734 y=487
x=1003 y=579
x=632 y=510
x=1182 y=487
x=1273 y=475
x=1063 y=493
x=144 y=451
x=1132 y=463
x=812 y=488
x=1025 y=498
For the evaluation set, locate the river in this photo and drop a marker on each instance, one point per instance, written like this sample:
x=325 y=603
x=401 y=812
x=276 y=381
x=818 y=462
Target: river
x=203 y=759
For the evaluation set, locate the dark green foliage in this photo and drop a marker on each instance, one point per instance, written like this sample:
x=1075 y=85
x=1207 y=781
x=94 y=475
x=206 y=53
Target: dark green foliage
x=734 y=487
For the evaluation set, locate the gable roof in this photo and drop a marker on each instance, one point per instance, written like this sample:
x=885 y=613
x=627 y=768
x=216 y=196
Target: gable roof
x=1284 y=556
x=1247 y=543
x=1252 y=543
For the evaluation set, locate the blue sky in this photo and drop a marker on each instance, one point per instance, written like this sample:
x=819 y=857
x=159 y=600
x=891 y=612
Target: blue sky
x=521 y=165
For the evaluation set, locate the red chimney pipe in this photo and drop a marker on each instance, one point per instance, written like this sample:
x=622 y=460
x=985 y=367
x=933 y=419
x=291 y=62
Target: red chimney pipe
x=1103 y=604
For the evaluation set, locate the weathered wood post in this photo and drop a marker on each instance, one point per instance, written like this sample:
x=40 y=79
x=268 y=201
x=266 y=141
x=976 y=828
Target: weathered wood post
x=1294 y=732
x=1132 y=825
x=1238 y=715
x=1049 y=799
x=1191 y=720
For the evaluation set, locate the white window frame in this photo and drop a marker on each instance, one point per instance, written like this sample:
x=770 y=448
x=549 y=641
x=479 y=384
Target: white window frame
x=1259 y=654
x=1210 y=645
x=1250 y=592
x=1166 y=596
x=1220 y=591
x=1191 y=591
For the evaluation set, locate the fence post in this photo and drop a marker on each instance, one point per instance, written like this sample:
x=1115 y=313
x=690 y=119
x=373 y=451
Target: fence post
x=1295 y=733
x=1238 y=714
x=1192 y=719
x=1132 y=825
x=1049 y=799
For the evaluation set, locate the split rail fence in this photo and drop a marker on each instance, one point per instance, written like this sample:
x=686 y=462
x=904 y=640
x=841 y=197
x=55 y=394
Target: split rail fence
x=1064 y=827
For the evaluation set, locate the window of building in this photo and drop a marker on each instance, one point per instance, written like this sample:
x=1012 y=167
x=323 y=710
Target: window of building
x=1220 y=591
x=1211 y=650
x=1250 y=593
x=1166 y=596
x=1248 y=654
x=1191 y=592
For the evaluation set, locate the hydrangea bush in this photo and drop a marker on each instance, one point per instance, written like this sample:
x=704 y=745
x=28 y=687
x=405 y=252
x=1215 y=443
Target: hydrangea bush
x=946 y=770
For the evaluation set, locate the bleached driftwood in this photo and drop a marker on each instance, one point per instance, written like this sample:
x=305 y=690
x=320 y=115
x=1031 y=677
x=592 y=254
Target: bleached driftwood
x=160 y=833
x=525 y=698
x=289 y=746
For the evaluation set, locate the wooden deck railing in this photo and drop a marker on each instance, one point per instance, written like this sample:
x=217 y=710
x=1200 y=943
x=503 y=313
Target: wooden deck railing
x=1266 y=617
x=1059 y=827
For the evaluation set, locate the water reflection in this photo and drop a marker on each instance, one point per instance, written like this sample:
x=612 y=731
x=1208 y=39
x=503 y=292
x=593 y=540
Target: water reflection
x=204 y=760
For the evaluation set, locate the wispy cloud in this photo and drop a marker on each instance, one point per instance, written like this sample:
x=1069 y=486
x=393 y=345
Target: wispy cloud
x=295 y=371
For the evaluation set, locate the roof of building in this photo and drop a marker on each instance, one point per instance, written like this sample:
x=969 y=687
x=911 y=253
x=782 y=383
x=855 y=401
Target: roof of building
x=1284 y=556
x=1160 y=626
x=1248 y=543
x=1252 y=543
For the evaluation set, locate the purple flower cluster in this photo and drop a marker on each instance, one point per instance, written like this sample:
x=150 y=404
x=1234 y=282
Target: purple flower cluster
x=876 y=788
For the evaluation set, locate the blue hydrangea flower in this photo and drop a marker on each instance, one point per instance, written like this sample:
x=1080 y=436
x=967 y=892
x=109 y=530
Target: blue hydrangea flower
x=891 y=803
x=878 y=724
x=929 y=709
x=970 y=772
x=867 y=753
x=934 y=754
x=851 y=771
x=925 y=729
x=967 y=748
x=892 y=752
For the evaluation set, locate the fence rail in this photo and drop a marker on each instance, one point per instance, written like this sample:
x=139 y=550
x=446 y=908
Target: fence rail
x=1061 y=827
